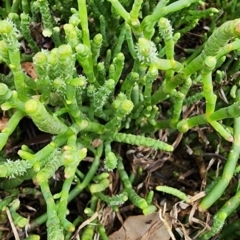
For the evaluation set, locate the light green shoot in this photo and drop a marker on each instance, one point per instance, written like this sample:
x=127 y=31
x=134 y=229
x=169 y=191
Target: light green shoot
x=206 y=73
x=43 y=119
x=55 y=231
x=10 y=127
x=175 y=192
x=120 y=10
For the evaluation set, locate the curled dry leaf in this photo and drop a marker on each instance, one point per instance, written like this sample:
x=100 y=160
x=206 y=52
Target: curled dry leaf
x=142 y=227
x=28 y=68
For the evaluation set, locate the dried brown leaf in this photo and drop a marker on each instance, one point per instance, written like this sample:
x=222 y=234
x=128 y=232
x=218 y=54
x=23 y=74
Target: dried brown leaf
x=142 y=227
x=3 y=122
x=29 y=69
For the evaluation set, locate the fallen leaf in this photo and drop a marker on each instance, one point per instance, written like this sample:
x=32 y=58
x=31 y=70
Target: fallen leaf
x=143 y=227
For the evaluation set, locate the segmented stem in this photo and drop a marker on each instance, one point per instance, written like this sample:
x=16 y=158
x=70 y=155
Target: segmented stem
x=142 y=141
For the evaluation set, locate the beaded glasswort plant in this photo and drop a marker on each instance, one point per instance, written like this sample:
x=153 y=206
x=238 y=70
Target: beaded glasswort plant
x=100 y=82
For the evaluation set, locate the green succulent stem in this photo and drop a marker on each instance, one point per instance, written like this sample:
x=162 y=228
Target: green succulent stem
x=228 y=169
x=214 y=44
